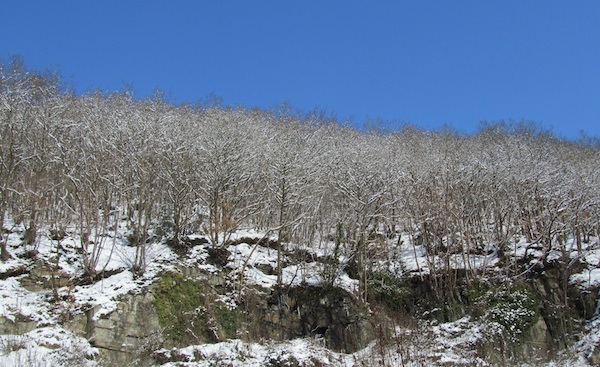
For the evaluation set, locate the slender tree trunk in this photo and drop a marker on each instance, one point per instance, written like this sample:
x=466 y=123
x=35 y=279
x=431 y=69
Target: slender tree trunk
x=282 y=234
x=4 y=254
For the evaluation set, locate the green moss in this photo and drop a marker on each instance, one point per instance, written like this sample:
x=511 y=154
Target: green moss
x=180 y=307
x=187 y=311
x=228 y=320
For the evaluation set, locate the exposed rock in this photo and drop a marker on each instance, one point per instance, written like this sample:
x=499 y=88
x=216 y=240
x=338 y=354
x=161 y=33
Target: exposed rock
x=128 y=334
x=218 y=256
x=19 y=326
x=327 y=312
x=216 y=279
x=538 y=342
x=594 y=357
x=44 y=276
x=131 y=334
x=14 y=272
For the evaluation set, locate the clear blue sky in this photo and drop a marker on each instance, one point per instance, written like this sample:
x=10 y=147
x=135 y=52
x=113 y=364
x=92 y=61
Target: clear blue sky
x=428 y=63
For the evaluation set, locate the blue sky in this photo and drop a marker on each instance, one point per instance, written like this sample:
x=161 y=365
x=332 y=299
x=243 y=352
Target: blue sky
x=428 y=63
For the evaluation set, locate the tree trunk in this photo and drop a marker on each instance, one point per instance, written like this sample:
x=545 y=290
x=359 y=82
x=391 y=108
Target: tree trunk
x=4 y=254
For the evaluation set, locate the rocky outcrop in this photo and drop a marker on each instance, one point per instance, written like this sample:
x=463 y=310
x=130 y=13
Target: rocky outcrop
x=127 y=335
x=44 y=277
x=191 y=314
x=18 y=326
x=130 y=335
x=330 y=313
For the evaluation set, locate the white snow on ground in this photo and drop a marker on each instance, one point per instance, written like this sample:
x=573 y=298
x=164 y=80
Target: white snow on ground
x=591 y=339
x=35 y=306
x=307 y=352
x=46 y=347
x=413 y=259
x=106 y=292
x=12 y=265
x=346 y=283
x=13 y=240
x=252 y=254
x=246 y=233
x=249 y=258
x=18 y=302
x=590 y=276
x=423 y=344
x=587 y=278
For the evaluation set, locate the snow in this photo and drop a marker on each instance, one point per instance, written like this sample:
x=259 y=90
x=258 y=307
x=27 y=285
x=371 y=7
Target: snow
x=303 y=273
x=452 y=343
x=19 y=302
x=105 y=293
x=346 y=283
x=307 y=352
x=48 y=346
x=12 y=265
x=589 y=277
x=254 y=255
x=12 y=241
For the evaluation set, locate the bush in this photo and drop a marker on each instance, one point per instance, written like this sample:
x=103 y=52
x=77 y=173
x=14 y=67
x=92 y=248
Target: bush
x=281 y=360
x=388 y=290
x=509 y=311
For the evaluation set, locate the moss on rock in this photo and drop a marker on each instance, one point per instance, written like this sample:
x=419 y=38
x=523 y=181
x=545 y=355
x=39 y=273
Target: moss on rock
x=180 y=305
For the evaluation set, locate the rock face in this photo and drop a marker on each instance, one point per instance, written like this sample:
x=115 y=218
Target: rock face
x=126 y=335
x=563 y=305
x=132 y=332
x=327 y=312
x=190 y=314
x=129 y=335
x=44 y=277
x=19 y=326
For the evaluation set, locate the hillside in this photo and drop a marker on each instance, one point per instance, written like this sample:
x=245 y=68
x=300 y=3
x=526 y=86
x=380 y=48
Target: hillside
x=137 y=232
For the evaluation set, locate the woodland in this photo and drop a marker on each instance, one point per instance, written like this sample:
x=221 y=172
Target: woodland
x=82 y=161
x=86 y=162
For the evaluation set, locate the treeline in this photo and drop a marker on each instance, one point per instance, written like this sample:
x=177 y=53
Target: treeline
x=87 y=162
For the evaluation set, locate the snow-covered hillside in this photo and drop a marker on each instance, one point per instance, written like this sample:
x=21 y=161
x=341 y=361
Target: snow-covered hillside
x=43 y=332
x=138 y=232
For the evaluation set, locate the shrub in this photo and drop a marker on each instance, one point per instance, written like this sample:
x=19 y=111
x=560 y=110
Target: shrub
x=508 y=310
x=388 y=290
